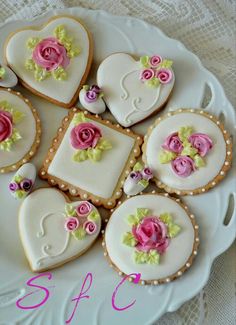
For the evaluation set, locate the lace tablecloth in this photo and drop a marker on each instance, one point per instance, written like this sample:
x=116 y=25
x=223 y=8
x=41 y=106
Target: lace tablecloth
x=208 y=29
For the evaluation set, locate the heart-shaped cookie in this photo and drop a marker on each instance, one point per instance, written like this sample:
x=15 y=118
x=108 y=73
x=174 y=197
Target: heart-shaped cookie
x=53 y=61
x=133 y=90
x=53 y=230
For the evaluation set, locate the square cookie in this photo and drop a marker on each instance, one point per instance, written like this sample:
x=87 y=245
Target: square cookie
x=96 y=173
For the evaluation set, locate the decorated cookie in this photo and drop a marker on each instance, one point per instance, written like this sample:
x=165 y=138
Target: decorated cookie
x=91 y=157
x=138 y=179
x=23 y=181
x=53 y=230
x=151 y=234
x=133 y=90
x=8 y=78
x=19 y=130
x=53 y=60
x=189 y=151
x=91 y=99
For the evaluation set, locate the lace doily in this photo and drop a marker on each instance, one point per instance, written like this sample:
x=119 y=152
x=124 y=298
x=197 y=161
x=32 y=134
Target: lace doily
x=208 y=29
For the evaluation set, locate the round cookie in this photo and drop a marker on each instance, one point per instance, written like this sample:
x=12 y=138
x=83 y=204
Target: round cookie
x=151 y=234
x=54 y=230
x=134 y=90
x=189 y=151
x=19 y=130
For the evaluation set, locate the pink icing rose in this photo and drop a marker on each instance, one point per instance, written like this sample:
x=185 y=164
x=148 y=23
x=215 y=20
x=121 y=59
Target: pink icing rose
x=50 y=54
x=135 y=176
x=71 y=224
x=147 y=173
x=90 y=227
x=155 y=60
x=84 y=136
x=173 y=143
x=151 y=233
x=147 y=74
x=201 y=142
x=183 y=166
x=5 y=125
x=164 y=75
x=83 y=209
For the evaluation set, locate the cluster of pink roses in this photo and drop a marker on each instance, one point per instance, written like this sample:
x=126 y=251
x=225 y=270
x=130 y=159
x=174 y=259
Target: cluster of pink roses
x=82 y=211
x=183 y=166
x=6 y=125
x=164 y=75
x=150 y=234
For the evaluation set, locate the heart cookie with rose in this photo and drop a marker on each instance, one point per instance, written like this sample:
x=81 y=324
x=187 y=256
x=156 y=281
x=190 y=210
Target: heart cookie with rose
x=53 y=60
x=134 y=90
x=53 y=230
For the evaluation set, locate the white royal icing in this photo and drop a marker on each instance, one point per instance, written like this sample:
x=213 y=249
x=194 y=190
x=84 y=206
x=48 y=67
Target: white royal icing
x=26 y=127
x=41 y=223
x=132 y=188
x=99 y=178
x=214 y=160
x=10 y=79
x=129 y=99
x=62 y=91
x=26 y=171
x=96 y=107
x=175 y=256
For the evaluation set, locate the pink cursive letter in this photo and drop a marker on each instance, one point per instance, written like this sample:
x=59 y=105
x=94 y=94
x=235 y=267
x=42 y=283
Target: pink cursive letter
x=136 y=280
x=81 y=295
x=30 y=284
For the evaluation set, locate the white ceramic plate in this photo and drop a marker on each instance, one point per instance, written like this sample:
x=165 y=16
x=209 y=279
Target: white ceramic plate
x=113 y=34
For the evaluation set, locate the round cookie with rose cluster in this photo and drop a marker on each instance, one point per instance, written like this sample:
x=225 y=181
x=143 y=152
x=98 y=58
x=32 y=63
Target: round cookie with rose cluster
x=189 y=151
x=152 y=234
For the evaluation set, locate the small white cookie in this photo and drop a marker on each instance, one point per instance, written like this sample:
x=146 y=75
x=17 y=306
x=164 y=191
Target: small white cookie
x=91 y=99
x=23 y=181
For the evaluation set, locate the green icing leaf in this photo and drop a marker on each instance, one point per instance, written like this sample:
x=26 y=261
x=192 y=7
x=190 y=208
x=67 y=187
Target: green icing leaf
x=59 y=74
x=32 y=42
x=166 y=64
x=73 y=51
x=154 y=82
x=70 y=210
x=185 y=132
x=101 y=95
x=188 y=150
x=166 y=156
x=104 y=144
x=166 y=218
x=2 y=72
x=80 y=155
x=94 y=154
x=8 y=143
x=144 y=61
x=173 y=230
x=144 y=183
x=40 y=74
x=142 y=212
x=140 y=257
x=129 y=239
x=132 y=220
x=16 y=135
x=30 y=65
x=79 y=233
x=79 y=118
x=17 y=116
x=153 y=257
x=93 y=216
x=18 y=178
x=199 y=161
x=5 y=105
x=86 y=87
x=60 y=31
x=20 y=194
x=138 y=167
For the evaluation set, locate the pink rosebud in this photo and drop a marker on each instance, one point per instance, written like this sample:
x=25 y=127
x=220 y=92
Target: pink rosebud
x=183 y=166
x=83 y=209
x=164 y=75
x=147 y=74
x=173 y=143
x=135 y=176
x=151 y=233
x=202 y=142
x=71 y=224
x=90 y=96
x=95 y=89
x=90 y=227
x=50 y=54
x=6 y=125
x=147 y=173
x=84 y=136
x=155 y=60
